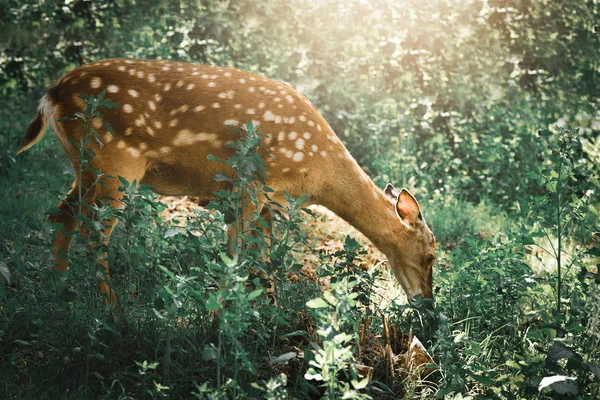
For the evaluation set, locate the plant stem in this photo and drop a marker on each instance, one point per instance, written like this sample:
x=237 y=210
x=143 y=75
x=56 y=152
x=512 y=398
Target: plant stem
x=559 y=234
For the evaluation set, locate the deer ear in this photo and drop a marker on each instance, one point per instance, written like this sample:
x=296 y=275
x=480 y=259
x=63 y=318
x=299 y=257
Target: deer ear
x=408 y=208
x=391 y=192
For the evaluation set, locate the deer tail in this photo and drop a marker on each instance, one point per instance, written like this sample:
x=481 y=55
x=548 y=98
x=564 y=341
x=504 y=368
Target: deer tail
x=36 y=128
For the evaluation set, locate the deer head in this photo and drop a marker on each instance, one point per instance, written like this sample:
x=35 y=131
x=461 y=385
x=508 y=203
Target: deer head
x=411 y=253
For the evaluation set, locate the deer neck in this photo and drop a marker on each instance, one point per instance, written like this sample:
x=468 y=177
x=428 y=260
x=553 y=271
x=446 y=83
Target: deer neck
x=354 y=197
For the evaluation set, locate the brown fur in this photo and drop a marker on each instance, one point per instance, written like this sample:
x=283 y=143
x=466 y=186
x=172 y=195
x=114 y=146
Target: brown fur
x=172 y=115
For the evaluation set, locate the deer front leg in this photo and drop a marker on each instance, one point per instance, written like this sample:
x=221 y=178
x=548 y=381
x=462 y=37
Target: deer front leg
x=252 y=230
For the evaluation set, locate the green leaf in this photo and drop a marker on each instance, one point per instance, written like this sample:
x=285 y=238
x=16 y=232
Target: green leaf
x=558 y=351
x=212 y=303
x=167 y=271
x=284 y=357
x=254 y=294
x=109 y=128
x=317 y=303
x=358 y=385
x=4 y=271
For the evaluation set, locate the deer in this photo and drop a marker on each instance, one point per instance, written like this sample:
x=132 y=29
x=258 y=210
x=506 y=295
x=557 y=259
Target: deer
x=172 y=115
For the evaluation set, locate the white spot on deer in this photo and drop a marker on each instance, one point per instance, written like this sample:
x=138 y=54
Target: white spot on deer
x=279 y=105
x=298 y=156
x=212 y=84
x=173 y=122
x=122 y=68
x=213 y=77
x=140 y=74
x=132 y=72
x=128 y=62
x=151 y=78
x=303 y=170
x=282 y=92
x=278 y=119
x=167 y=87
x=180 y=69
x=140 y=121
x=133 y=152
x=283 y=150
x=311 y=153
x=143 y=146
x=289 y=98
x=237 y=106
x=285 y=170
x=204 y=76
x=319 y=127
x=227 y=74
x=199 y=108
x=324 y=153
x=291 y=120
x=95 y=83
x=255 y=123
x=277 y=99
x=251 y=89
x=232 y=122
x=133 y=93
x=195 y=73
x=250 y=111
x=121 y=144
x=216 y=105
x=306 y=135
x=158 y=125
x=150 y=131
x=166 y=68
x=333 y=138
x=185 y=137
x=300 y=144
x=252 y=78
x=311 y=123
x=314 y=147
x=302 y=118
x=292 y=136
x=261 y=105
x=157 y=97
x=190 y=86
x=152 y=105
x=289 y=154
x=242 y=80
x=128 y=131
x=269 y=116
x=179 y=84
x=262 y=88
x=112 y=88
x=127 y=108
x=165 y=149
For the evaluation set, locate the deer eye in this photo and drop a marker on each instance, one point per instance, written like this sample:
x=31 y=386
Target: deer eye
x=430 y=259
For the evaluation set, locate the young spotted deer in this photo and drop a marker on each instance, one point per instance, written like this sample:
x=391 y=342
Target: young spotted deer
x=172 y=115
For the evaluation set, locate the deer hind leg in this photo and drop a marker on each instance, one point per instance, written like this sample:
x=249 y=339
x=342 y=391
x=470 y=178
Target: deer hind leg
x=93 y=190
x=107 y=191
x=246 y=227
x=267 y=232
x=66 y=217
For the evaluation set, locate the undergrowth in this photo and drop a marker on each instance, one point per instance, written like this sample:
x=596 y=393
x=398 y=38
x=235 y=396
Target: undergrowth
x=200 y=323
